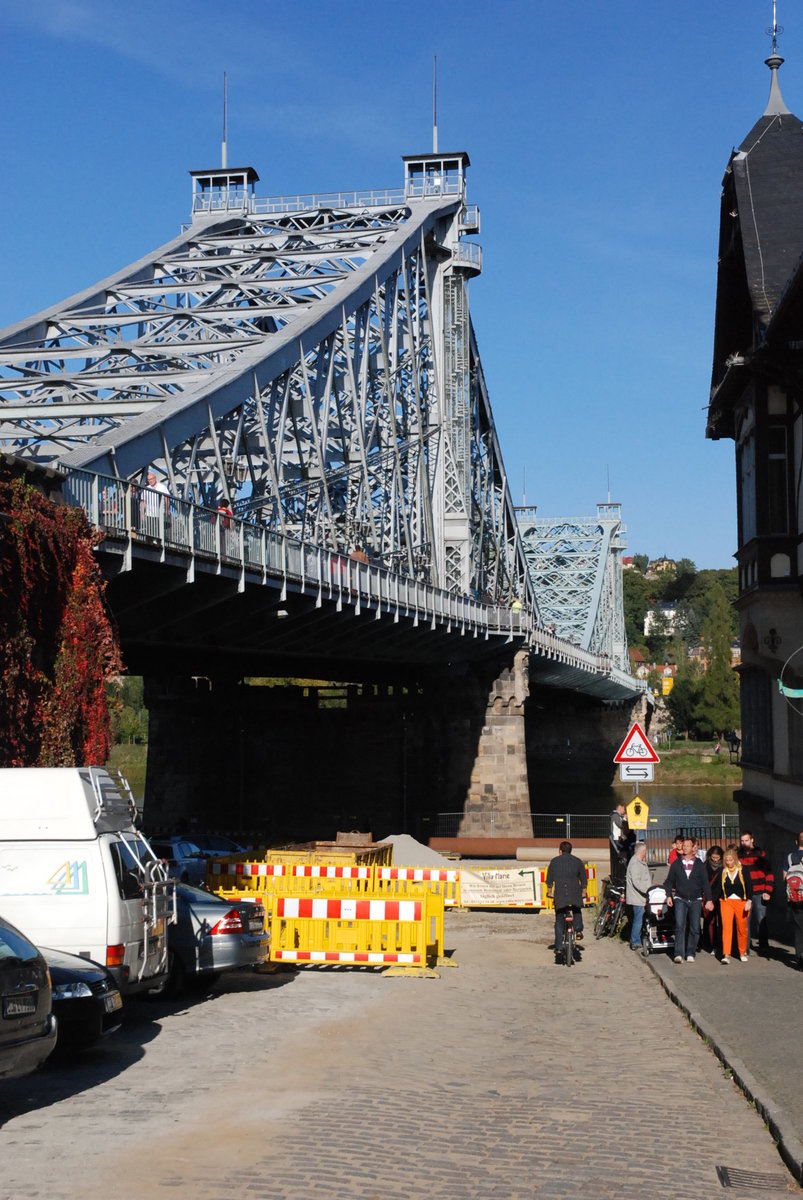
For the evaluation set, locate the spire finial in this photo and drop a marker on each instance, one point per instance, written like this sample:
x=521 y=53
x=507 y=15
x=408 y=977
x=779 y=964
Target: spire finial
x=775 y=104
x=774 y=29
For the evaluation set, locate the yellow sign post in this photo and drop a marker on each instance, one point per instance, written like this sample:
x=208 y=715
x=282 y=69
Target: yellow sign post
x=638 y=812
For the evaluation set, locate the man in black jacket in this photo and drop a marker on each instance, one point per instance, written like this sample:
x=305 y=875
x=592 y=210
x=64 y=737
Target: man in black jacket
x=686 y=883
x=566 y=884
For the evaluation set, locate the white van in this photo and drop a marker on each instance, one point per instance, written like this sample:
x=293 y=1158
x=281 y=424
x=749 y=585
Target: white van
x=77 y=876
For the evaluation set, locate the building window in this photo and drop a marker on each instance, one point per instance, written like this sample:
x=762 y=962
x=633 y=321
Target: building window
x=747 y=489
x=756 y=689
x=777 y=483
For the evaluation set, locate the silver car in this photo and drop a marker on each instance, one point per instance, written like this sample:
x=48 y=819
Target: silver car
x=182 y=858
x=212 y=935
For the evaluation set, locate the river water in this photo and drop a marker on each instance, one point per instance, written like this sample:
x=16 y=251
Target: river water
x=662 y=800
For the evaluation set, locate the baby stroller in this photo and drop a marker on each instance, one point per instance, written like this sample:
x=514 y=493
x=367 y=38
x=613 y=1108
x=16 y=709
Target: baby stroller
x=658 y=929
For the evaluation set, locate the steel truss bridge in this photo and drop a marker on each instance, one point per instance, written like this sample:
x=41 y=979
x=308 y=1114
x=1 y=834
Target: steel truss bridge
x=309 y=365
x=575 y=564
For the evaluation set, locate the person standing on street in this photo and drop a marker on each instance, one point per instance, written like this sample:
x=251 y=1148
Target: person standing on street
x=686 y=884
x=758 y=864
x=793 y=878
x=736 y=897
x=638 y=881
x=677 y=848
x=712 y=921
x=566 y=885
x=620 y=833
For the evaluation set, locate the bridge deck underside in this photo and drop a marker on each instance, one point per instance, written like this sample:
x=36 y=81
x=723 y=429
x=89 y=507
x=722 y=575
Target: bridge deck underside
x=273 y=627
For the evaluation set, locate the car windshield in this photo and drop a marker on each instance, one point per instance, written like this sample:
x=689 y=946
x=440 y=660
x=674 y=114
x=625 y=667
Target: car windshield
x=15 y=947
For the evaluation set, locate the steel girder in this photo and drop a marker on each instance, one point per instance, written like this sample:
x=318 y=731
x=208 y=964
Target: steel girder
x=315 y=368
x=575 y=566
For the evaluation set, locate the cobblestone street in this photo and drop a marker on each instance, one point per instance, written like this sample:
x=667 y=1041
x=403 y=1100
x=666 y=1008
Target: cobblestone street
x=507 y=1077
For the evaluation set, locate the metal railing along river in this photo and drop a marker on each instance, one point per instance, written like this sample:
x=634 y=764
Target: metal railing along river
x=709 y=828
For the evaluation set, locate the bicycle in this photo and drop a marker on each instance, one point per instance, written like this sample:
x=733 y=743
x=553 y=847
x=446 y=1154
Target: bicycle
x=569 y=937
x=611 y=913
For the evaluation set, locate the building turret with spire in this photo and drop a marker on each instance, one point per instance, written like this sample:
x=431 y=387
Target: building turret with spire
x=757 y=399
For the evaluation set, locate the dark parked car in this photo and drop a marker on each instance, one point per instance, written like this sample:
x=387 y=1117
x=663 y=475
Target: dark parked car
x=216 y=845
x=86 y=999
x=27 y=1023
x=212 y=935
x=182 y=857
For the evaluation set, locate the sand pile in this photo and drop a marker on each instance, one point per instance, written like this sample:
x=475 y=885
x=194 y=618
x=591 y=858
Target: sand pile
x=407 y=852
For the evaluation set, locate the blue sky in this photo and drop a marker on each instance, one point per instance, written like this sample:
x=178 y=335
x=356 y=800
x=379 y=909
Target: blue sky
x=598 y=131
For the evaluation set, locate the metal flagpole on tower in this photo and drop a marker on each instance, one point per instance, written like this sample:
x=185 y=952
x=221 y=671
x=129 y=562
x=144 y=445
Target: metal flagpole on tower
x=223 y=153
x=435 y=105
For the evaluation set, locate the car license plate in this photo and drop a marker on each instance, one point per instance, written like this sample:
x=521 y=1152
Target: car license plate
x=255 y=926
x=19 y=1006
x=113 y=1002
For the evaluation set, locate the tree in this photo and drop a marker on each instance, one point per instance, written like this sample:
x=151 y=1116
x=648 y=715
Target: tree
x=682 y=701
x=688 y=623
x=718 y=704
x=637 y=596
x=641 y=562
x=659 y=636
x=130 y=716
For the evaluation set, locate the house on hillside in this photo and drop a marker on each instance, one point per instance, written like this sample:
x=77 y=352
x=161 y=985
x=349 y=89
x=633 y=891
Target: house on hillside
x=660 y=620
x=659 y=566
x=757 y=401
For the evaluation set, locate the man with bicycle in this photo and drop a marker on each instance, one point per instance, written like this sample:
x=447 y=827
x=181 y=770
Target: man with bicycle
x=566 y=885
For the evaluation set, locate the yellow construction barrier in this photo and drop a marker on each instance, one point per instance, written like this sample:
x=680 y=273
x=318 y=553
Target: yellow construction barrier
x=288 y=879
x=358 y=931
x=395 y=881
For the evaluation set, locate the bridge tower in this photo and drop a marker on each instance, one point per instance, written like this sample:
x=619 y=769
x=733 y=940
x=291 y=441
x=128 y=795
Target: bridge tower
x=575 y=565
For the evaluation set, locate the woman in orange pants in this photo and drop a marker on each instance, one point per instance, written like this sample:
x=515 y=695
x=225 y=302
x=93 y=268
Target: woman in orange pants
x=736 y=900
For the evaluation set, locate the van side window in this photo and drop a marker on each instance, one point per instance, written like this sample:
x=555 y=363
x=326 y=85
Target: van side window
x=127 y=870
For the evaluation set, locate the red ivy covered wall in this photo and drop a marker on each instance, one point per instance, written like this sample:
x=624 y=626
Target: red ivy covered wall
x=58 y=646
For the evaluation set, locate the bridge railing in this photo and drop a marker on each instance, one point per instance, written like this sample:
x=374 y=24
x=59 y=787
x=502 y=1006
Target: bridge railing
x=161 y=523
x=269 y=205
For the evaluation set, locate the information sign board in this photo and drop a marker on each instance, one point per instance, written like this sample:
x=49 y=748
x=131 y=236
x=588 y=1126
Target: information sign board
x=493 y=887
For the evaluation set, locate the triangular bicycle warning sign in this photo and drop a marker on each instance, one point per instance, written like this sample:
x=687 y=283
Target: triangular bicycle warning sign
x=636 y=747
